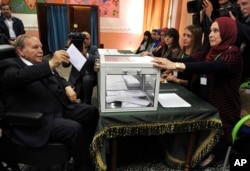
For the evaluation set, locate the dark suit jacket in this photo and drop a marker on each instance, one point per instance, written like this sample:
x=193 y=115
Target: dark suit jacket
x=32 y=88
x=244 y=36
x=4 y=31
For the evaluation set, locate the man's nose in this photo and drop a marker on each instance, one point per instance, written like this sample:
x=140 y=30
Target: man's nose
x=241 y=8
x=40 y=50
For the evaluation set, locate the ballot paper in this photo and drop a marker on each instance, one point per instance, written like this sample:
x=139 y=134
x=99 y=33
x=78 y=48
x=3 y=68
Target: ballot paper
x=129 y=98
x=115 y=82
x=131 y=81
x=172 y=100
x=75 y=57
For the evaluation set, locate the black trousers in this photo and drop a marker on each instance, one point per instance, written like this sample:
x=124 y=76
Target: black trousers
x=88 y=83
x=76 y=129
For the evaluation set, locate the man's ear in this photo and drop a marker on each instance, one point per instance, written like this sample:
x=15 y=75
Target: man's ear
x=20 y=51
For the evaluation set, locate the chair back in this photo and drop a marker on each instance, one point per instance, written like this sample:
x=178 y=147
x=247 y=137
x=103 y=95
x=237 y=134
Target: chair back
x=7 y=51
x=240 y=125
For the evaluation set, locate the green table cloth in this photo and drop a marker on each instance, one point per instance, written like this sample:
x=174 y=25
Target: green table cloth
x=200 y=117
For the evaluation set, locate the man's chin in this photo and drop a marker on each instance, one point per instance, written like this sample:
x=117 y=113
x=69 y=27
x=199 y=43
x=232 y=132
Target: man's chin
x=39 y=60
x=245 y=15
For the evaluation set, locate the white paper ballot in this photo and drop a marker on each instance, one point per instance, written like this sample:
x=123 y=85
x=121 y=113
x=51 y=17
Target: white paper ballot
x=75 y=57
x=172 y=100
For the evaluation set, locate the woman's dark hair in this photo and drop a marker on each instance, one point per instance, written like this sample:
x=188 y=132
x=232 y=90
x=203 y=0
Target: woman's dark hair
x=172 y=32
x=147 y=33
x=149 y=41
x=168 y=51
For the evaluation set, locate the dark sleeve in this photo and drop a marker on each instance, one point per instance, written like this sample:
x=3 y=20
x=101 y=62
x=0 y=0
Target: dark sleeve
x=4 y=38
x=198 y=56
x=61 y=80
x=218 y=66
x=12 y=73
x=93 y=54
x=243 y=30
x=205 y=25
x=187 y=59
x=229 y=63
x=157 y=52
x=138 y=49
x=19 y=27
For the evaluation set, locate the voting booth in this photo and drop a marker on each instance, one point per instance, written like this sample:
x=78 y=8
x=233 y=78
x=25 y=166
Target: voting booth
x=127 y=83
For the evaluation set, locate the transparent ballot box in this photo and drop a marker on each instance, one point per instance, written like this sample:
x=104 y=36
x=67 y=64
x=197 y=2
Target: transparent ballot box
x=128 y=83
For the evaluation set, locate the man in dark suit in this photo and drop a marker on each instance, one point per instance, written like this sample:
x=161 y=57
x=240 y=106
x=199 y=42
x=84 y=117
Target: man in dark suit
x=85 y=80
x=243 y=41
x=10 y=26
x=30 y=83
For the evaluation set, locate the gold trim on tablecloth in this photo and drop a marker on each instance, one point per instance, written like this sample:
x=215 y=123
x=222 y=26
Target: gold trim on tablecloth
x=111 y=132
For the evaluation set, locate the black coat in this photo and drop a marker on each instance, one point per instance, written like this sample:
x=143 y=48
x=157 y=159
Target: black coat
x=32 y=88
x=18 y=28
x=244 y=37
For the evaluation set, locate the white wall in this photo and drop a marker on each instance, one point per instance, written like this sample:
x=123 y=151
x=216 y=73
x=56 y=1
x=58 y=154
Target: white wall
x=173 y=9
x=29 y=20
x=130 y=20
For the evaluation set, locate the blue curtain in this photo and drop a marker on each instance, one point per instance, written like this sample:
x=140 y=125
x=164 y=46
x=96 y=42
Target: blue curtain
x=57 y=27
x=94 y=26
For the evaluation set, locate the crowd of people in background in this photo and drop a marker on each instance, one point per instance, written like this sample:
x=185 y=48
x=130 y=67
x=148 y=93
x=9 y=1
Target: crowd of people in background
x=214 y=66
x=159 y=43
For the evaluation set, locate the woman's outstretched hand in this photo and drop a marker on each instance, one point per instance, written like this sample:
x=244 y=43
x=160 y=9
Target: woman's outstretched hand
x=163 y=63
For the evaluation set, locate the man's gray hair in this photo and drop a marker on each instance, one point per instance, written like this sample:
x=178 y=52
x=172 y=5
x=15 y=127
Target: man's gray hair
x=20 y=40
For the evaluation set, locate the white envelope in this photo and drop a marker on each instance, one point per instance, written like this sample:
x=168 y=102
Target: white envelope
x=75 y=57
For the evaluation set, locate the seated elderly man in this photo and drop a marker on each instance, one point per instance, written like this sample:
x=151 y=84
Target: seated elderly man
x=30 y=83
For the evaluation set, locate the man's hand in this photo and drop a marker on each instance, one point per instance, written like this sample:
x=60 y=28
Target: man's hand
x=60 y=56
x=231 y=15
x=207 y=7
x=12 y=42
x=71 y=94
